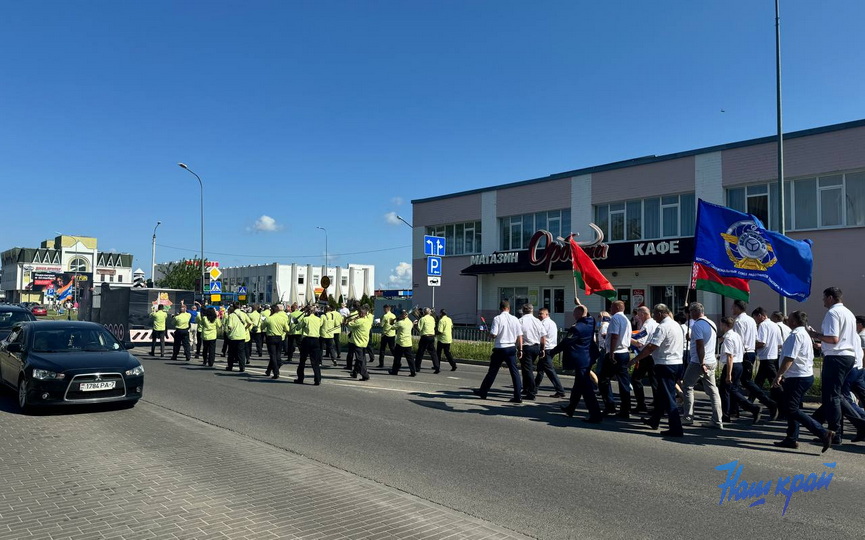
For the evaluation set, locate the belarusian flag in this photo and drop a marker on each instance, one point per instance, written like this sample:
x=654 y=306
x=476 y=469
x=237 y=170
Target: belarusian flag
x=588 y=276
x=705 y=279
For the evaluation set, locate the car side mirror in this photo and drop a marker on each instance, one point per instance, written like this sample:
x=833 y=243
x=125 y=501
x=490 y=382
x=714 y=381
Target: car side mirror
x=13 y=348
x=129 y=345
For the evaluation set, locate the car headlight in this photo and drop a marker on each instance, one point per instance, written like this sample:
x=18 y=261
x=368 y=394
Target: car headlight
x=137 y=370
x=44 y=374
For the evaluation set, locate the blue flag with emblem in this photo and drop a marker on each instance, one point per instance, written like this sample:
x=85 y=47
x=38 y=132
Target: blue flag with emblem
x=735 y=244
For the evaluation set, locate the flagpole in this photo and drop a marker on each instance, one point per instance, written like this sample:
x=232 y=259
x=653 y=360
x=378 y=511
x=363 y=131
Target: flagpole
x=781 y=225
x=576 y=289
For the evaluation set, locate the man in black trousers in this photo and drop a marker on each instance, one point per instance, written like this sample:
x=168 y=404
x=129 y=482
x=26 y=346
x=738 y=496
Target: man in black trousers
x=580 y=353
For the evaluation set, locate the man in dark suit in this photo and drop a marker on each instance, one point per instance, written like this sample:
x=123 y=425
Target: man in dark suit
x=580 y=353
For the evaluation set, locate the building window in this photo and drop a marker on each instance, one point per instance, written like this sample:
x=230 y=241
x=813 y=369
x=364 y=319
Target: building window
x=78 y=265
x=300 y=280
x=517 y=231
x=517 y=296
x=119 y=279
x=671 y=216
x=460 y=238
x=103 y=277
x=822 y=202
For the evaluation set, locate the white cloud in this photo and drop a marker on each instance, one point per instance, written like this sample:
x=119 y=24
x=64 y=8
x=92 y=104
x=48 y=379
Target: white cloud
x=400 y=277
x=266 y=224
x=392 y=219
x=397 y=201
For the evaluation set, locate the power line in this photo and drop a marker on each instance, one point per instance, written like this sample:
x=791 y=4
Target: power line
x=288 y=256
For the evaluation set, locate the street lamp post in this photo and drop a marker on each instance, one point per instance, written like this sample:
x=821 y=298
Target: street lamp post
x=404 y=221
x=75 y=276
x=203 y=271
x=153 y=256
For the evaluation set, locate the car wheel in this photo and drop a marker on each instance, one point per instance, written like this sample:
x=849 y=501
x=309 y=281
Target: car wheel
x=23 y=400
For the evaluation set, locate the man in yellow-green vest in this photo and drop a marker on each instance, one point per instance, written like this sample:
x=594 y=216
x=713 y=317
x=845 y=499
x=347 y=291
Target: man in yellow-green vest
x=358 y=340
x=310 y=345
x=181 y=333
x=402 y=329
x=255 y=335
x=275 y=327
x=388 y=334
x=444 y=331
x=295 y=333
x=426 y=326
x=157 y=320
x=328 y=329
x=236 y=332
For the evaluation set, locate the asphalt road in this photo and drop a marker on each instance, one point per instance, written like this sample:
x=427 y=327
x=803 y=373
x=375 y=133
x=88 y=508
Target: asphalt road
x=526 y=467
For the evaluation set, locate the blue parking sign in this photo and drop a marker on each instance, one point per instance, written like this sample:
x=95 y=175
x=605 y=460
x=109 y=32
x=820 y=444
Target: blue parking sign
x=434 y=266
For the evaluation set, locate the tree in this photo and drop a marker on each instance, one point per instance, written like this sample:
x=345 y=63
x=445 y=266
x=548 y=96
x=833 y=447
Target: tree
x=182 y=275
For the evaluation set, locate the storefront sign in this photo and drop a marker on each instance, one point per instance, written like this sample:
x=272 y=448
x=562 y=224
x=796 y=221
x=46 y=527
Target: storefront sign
x=544 y=254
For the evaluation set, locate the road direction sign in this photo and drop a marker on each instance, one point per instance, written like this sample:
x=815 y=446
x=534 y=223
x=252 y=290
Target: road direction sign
x=434 y=245
x=241 y=290
x=434 y=266
x=215 y=287
x=434 y=281
x=215 y=273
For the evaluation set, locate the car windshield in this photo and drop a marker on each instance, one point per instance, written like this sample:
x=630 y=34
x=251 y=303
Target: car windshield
x=8 y=318
x=74 y=339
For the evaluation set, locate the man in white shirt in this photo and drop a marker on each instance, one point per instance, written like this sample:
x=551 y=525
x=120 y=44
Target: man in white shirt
x=701 y=365
x=858 y=387
x=768 y=345
x=646 y=367
x=796 y=375
x=778 y=318
x=545 y=363
x=616 y=362
x=666 y=346
x=732 y=352
x=746 y=327
x=533 y=343
x=840 y=342
x=508 y=344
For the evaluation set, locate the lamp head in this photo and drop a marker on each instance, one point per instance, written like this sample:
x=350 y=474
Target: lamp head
x=183 y=165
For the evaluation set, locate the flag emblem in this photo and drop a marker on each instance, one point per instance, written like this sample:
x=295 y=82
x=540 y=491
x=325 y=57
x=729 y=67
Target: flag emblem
x=746 y=247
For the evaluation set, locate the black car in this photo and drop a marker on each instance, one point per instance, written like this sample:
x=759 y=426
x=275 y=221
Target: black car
x=68 y=363
x=9 y=315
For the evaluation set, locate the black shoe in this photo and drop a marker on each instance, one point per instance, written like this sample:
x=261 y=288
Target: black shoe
x=567 y=410
x=648 y=422
x=671 y=433
x=725 y=419
x=381 y=365
x=173 y=358
x=267 y=373
x=391 y=373
x=590 y=420
x=827 y=440
x=756 y=415
x=453 y=368
x=275 y=377
x=786 y=443
x=317 y=383
x=228 y=369
x=515 y=400
x=298 y=381
x=860 y=436
x=624 y=416
x=436 y=372
x=558 y=395
x=353 y=374
x=364 y=378
x=529 y=397
x=415 y=375
x=609 y=412
x=242 y=370
x=475 y=391
x=210 y=364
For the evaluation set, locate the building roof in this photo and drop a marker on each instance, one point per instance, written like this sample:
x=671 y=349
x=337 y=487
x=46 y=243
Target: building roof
x=652 y=159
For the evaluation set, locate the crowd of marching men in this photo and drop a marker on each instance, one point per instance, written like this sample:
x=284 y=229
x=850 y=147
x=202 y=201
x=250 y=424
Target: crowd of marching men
x=313 y=329
x=672 y=352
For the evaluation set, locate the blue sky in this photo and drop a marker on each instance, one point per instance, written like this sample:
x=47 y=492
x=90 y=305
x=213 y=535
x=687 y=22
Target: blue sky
x=337 y=114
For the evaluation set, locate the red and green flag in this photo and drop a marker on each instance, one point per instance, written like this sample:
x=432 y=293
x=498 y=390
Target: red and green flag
x=587 y=275
x=704 y=278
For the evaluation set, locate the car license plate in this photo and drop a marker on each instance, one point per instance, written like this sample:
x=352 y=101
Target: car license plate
x=94 y=386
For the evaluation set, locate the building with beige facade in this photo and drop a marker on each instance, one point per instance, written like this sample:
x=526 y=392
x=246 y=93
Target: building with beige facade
x=501 y=240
